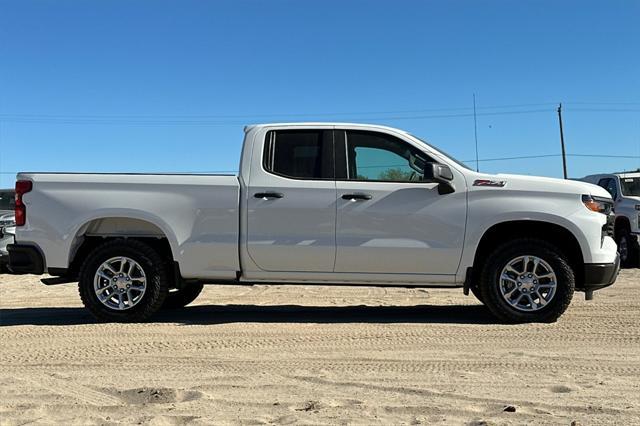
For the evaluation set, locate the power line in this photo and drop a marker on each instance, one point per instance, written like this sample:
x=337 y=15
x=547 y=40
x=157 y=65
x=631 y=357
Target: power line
x=259 y=115
x=605 y=109
x=156 y=121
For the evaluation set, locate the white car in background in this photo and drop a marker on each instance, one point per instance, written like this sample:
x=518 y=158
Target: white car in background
x=624 y=188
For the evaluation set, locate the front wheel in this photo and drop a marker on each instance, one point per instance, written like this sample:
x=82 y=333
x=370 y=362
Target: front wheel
x=527 y=280
x=179 y=298
x=123 y=281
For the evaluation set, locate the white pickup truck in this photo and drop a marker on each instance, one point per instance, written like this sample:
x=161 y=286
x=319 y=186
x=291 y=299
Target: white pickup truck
x=318 y=203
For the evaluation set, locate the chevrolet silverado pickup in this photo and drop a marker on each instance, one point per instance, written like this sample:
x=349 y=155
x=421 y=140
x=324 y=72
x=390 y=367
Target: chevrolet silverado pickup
x=324 y=204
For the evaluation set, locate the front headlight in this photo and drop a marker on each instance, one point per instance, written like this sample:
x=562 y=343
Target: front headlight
x=598 y=204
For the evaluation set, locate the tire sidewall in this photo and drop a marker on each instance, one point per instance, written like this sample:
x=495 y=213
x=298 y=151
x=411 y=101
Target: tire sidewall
x=183 y=296
x=633 y=258
x=155 y=292
x=490 y=283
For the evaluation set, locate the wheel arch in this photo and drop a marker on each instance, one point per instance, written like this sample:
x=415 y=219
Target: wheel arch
x=125 y=224
x=622 y=222
x=552 y=233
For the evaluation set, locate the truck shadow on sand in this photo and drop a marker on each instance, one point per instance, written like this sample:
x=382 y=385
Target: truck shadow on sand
x=225 y=314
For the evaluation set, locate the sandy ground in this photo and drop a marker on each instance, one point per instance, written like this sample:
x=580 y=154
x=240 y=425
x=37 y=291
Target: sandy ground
x=317 y=355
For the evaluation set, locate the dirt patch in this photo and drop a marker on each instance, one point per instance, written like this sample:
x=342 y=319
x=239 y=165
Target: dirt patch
x=317 y=355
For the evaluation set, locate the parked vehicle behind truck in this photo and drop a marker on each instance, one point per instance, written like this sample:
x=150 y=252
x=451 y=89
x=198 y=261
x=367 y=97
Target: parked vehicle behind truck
x=7 y=225
x=318 y=203
x=624 y=188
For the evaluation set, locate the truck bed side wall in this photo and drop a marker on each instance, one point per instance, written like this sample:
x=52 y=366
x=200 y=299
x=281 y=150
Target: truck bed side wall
x=198 y=214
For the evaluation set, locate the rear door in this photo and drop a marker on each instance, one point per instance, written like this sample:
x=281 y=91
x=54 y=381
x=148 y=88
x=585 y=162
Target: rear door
x=390 y=221
x=291 y=202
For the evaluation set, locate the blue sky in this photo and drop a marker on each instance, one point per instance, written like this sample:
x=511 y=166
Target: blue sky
x=144 y=86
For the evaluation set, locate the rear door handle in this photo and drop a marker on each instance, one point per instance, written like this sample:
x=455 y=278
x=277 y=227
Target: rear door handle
x=355 y=197
x=267 y=195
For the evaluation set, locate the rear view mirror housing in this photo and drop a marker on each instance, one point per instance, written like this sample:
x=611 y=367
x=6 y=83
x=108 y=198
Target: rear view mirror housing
x=440 y=174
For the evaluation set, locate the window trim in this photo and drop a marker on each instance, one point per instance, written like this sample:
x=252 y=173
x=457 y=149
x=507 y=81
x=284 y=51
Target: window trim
x=615 y=184
x=341 y=151
x=270 y=145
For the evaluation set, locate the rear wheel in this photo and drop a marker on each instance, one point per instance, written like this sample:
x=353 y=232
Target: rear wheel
x=123 y=281
x=527 y=280
x=179 y=298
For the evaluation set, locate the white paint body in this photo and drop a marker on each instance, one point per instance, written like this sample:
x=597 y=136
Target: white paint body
x=218 y=230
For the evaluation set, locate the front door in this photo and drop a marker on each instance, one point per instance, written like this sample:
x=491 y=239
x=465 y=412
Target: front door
x=389 y=221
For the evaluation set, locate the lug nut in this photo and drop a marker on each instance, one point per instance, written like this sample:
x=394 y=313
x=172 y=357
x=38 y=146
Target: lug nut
x=128 y=285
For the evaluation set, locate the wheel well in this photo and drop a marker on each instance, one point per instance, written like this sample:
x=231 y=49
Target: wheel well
x=554 y=234
x=99 y=231
x=620 y=224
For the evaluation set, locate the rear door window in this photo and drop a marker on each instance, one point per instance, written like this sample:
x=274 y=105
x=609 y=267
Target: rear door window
x=300 y=154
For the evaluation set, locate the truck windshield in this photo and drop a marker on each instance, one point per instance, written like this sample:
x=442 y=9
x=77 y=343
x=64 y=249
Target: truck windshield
x=630 y=186
x=458 y=162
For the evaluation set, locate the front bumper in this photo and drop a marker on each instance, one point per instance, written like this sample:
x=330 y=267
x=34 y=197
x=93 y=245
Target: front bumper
x=25 y=259
x=600 y=275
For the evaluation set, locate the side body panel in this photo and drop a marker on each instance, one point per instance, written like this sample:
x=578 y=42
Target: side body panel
x=197 y=213
x=292 y=234
x=537 y=199
x=406 y=227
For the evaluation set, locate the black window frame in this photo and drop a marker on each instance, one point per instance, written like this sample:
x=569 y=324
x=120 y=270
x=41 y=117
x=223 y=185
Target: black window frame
x=341 y=162
x=605 y=187
x=269 y=144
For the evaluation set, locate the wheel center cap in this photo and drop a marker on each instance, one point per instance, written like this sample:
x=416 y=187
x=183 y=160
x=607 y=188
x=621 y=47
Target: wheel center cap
x=121 y=282
x=527 y=283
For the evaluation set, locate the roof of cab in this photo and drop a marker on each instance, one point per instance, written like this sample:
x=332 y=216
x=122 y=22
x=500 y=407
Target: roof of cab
x=312 y=124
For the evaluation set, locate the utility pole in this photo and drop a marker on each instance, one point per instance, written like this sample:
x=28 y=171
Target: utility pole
x=564 y=154
x=475 y=132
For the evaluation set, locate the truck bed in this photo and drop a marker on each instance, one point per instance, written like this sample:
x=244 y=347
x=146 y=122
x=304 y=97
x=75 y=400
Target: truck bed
x=198 y=214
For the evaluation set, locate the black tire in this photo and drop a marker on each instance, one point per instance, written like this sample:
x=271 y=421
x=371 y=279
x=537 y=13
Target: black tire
x=501 y=256
x=477 y=293
x=157 y=283
x=179 y=298
x=628 y=248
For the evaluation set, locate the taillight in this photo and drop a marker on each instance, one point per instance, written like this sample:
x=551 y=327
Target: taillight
x=22 y=187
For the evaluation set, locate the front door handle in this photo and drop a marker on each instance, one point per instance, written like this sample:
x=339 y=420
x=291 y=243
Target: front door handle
x=267 y=195
x=356 y=197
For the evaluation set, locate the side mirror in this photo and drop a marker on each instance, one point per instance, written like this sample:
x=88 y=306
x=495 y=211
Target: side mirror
x=440 y=174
